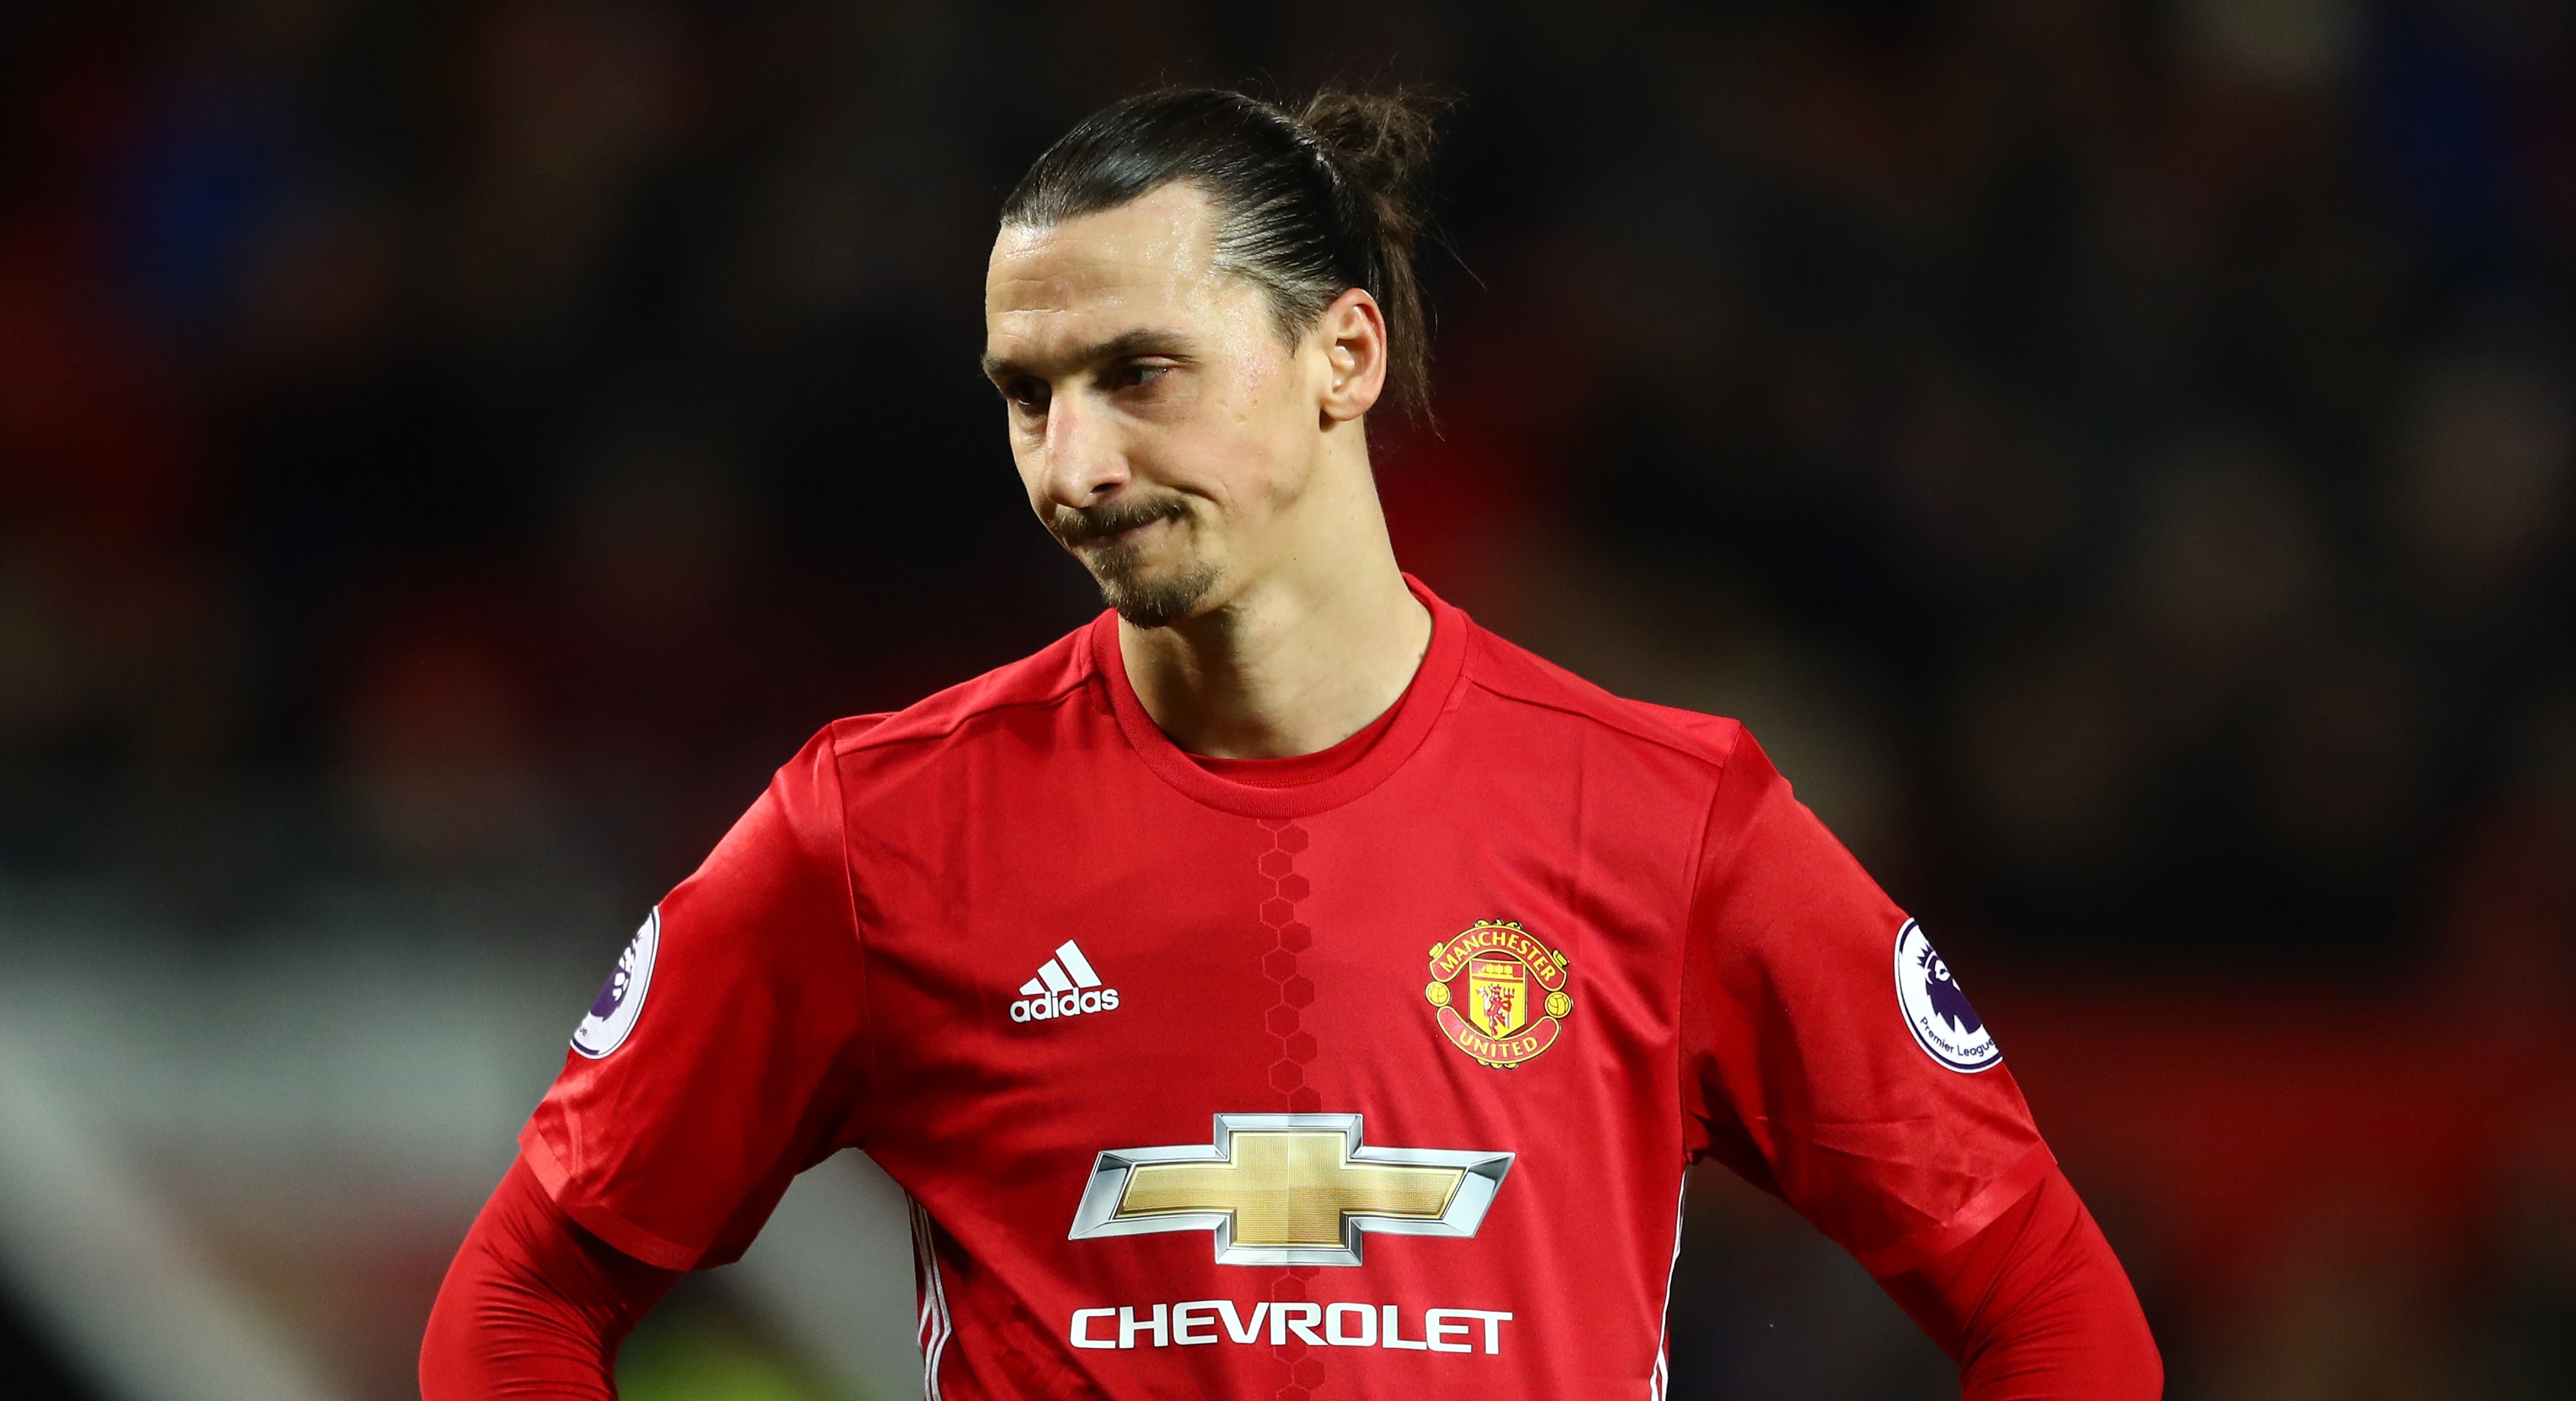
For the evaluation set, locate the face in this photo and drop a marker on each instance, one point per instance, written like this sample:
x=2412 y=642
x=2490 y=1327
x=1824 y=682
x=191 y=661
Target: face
x=1164 y=429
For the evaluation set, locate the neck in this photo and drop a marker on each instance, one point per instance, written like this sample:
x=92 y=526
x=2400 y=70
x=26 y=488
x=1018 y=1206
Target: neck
x=1298 y=659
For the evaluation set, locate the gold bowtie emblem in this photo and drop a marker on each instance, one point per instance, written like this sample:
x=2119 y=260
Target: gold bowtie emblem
x=1288 y=1189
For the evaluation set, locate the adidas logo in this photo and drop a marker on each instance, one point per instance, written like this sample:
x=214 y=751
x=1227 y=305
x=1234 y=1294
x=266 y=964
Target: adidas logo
x=1065 y=987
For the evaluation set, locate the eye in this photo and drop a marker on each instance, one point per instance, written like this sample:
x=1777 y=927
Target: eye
x=1026 y=393
x=1133 y=374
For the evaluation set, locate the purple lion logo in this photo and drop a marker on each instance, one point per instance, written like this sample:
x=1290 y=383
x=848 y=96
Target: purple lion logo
x=1948 y=1002
x=621 y=999
x=613 y=991
x=1936 y=1009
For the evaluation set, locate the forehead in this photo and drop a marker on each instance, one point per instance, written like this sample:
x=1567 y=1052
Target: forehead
x=1152 y=257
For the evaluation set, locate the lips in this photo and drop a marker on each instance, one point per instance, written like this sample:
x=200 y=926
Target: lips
x=1112 y=524
x=1120 y=536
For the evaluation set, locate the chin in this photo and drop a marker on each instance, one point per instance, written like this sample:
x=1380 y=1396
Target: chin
x=1156 y=598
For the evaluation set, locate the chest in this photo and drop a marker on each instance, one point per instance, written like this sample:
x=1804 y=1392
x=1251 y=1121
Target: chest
x=1484 y=962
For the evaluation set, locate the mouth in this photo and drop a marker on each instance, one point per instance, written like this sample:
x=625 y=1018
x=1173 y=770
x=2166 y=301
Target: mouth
x=1111 y=527
x=1151 y=581
x=1122 y=536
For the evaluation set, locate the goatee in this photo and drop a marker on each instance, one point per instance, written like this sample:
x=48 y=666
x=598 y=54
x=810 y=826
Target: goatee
x=1144 y=600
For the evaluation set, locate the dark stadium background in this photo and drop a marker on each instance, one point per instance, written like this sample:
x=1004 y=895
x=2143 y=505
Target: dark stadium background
x=2116 y=454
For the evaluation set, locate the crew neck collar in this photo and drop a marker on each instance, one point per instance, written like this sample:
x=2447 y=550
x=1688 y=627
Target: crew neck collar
x=1298 y=770
x=1413 y=715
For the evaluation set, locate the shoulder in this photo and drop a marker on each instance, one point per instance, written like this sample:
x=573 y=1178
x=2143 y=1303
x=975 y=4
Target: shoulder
x=861 y=755
x=1515 y=676
x=888 y=761
x=1042 y=680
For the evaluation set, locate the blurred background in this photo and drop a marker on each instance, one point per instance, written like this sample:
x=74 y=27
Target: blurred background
x=2116 y=454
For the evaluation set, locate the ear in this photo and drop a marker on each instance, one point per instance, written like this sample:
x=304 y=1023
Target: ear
x=1352 y=336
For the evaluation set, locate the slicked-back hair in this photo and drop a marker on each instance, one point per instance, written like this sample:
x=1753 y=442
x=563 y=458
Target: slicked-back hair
x=1309 y=204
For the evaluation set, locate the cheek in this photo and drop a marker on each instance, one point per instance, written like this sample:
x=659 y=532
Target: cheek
x=1269 y=390
x=1244 y=472
x=1258 y=432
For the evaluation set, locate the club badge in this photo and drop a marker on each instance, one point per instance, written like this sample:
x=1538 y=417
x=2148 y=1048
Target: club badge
x=1498 y=994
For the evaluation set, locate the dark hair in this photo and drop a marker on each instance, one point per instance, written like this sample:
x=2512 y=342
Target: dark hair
x=1310 y=205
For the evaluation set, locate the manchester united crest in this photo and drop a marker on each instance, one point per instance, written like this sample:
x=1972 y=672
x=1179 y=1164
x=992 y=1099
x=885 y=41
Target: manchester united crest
x=1498 y=994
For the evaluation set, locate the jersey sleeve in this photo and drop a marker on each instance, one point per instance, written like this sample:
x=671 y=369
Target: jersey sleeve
x=1802 y=1068
x=678 y=1121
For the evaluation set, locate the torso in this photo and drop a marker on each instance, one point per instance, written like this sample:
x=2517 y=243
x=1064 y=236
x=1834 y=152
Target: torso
x=1271 y=956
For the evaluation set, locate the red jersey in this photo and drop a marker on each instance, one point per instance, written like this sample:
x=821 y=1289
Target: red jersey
x=1374 y=1074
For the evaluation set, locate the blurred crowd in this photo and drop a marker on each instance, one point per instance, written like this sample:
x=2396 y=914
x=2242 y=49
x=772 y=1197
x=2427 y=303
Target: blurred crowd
x=2122 y=449
x=2116 y=453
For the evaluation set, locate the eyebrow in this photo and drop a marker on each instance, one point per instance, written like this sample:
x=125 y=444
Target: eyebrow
x=1142 y=341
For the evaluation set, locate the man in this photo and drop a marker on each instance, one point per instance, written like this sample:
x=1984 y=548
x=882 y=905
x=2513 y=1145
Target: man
x=1280 y=986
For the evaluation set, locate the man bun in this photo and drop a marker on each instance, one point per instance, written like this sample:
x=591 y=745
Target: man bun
x=1310 y=204
x=1382 y=143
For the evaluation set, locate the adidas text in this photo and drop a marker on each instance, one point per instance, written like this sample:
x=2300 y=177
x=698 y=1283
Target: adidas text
x=1065 y=987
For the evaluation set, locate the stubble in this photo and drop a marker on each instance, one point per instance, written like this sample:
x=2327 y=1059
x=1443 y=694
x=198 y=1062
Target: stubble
x=1143 y=595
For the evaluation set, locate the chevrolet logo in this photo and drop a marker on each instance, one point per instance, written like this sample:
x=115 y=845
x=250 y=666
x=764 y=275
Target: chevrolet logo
x=1288 y=1189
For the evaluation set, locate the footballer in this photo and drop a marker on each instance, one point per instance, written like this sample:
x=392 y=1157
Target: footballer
x=1281 y=986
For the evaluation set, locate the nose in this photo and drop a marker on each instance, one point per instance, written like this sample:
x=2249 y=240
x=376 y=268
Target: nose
x=1083 y=463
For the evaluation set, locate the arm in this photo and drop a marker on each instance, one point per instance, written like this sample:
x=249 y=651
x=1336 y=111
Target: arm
x=1815 y=1066
x=724 y=1057
x=2036 y=1308
x=534 y=1306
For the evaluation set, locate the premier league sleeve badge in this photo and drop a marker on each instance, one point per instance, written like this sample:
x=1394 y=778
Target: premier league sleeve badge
x=621 y=999
x=1936 y=1011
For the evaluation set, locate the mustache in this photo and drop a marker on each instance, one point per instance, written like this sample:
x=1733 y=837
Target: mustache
x=1080 y=525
